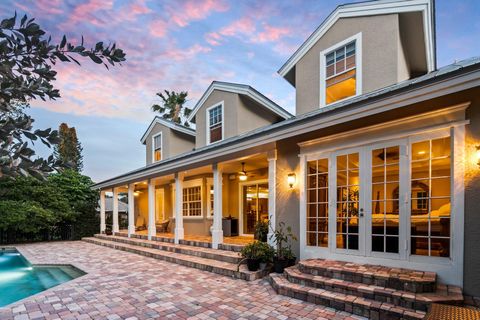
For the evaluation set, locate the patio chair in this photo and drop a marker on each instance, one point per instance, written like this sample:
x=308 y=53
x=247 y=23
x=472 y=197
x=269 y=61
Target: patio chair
x=162 y=226
x=450 y=312
x=140 y=224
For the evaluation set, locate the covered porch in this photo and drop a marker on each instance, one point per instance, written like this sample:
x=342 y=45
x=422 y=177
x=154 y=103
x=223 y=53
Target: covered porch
x=182 y=205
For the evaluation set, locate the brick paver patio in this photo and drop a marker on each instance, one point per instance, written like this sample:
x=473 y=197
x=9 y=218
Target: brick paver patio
x=122 y=285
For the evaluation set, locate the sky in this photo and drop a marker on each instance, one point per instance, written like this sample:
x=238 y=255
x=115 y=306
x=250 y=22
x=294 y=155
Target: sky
x=185 y=45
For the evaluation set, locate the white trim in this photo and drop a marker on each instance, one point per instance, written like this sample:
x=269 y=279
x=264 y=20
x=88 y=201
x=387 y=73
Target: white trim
x=168 y=124
x=152 y=228
x=272 y=195
x=161 y=146
x=160 y=210
x=115 y=225
x=207 y=122
x=131 y=209
x=217 y=231
x=449 y=270
x=357 y=38
x=188 y=184
x=210 y=208
x=240 y=89
x=240 y=201
x=102 y=212
x=369 y=9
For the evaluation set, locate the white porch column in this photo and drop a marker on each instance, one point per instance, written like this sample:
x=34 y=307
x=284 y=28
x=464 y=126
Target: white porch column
x=272 y=172
x=217 y=230
x=115 y=227
x=179 y=231
x=103 y=225
x=131 y=209
x=152 y=229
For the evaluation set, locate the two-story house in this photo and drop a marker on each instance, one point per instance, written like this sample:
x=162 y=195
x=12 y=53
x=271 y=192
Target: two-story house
x=378 y=165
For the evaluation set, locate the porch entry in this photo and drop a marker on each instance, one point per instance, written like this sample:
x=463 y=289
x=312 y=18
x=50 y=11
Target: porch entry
x=385 y=200
x=254 y=205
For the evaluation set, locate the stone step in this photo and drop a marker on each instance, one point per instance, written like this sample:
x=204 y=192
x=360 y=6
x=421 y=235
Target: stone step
x=387 y=277
x=406 y=299
x=368 y=308
x=208 y=253
x=195 y=243
x=219 y=267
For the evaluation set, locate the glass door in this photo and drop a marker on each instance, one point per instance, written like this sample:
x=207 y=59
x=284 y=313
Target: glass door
x=255 y=206
x=348 y=202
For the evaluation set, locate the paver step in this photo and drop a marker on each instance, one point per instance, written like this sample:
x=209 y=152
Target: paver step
x=195 y=243
x=371 y=309
x=394 y=278
x=208 y=253
x=219 y=267
x=406 y=299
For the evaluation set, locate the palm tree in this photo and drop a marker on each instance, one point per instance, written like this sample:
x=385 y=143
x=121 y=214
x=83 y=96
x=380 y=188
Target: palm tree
x=172 y=107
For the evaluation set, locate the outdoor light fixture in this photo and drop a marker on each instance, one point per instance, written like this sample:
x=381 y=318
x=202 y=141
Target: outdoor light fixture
x=291 y=179
x=242 y=175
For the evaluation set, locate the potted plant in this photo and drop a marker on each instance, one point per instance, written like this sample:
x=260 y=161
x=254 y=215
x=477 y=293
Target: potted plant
x=255 y=253
x=261 y=230
x=284 y=256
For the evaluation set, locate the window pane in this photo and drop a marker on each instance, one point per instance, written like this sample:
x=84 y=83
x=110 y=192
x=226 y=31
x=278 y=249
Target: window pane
x=317 y=203
x=340 y=89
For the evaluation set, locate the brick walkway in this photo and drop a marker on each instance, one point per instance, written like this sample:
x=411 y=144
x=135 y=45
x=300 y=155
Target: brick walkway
x=122 y=285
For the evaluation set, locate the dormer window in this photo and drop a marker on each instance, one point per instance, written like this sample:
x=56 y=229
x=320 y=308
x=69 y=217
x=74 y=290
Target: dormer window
x=157 y=147
x=341 y=71
x=215 y=123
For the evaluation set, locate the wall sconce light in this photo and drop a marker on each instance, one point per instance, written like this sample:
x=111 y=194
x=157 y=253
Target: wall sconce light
x=291 y=179
x=478 y=154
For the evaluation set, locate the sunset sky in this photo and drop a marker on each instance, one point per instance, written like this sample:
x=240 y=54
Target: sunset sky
x=184 y=45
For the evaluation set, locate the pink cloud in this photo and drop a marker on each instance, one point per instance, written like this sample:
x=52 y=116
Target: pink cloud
x=86 y=12
x=192 y=10
x=158 y=28
x=243 y=26
x=180 y=54
x=270 y=33
x=134 y=9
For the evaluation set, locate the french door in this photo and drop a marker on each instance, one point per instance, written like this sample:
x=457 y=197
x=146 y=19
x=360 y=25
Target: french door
x=365 y=214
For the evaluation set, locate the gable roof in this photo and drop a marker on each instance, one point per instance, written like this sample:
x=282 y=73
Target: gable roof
x=169 y=124
x=370 y=8
x=242 y=89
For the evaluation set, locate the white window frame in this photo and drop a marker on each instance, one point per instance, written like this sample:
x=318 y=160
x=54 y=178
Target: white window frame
x=153 y=147
x=357 y=38
x=210 y=205
x=189 y=184
x=207 y=122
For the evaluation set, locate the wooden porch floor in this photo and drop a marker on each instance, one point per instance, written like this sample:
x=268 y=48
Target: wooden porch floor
x=240 y=240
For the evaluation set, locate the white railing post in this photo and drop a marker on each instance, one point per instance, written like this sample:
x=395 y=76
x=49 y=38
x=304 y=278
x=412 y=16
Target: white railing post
x=217 y=230
x=131 y=209
x=179 y=231
x=103 y=225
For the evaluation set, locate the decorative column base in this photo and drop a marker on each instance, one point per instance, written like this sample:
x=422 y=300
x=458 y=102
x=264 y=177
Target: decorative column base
x=131 y=230
x=103 y=228
x=152 y=232
x=217 y=238
x=115 y=229
x=179 y=235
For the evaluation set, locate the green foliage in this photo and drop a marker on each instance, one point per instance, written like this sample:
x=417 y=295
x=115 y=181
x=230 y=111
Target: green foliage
x=258 y=250
x=283 y=237
x=33 y=206
x=172 y=107
x=261 y=230
x=69 y=149
x=27 y=57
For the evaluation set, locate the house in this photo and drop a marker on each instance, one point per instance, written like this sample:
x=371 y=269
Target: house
x=378 y=165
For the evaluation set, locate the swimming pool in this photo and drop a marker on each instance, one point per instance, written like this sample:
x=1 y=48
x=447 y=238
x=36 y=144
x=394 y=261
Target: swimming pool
x=19 y=279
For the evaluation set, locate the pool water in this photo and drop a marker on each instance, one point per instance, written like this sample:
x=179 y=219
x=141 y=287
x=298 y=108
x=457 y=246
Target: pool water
x=19 y=279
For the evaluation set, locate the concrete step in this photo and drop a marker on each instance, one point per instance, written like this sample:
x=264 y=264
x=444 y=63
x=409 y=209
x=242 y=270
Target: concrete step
x=208 y=253
x=417 y=301
x=364 y=307
x=194 y=243
x=387 y=277
x=219 y=267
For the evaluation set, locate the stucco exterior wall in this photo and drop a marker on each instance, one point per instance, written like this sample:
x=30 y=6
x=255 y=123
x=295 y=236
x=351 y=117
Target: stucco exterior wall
x=173 y=142
x=381 y=65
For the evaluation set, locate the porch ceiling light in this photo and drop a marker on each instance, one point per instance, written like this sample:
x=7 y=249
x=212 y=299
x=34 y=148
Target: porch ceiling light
x=242 y=175
x=291 y=179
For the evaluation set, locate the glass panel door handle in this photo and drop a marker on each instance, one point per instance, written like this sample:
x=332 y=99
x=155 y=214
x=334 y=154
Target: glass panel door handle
x=361 y=212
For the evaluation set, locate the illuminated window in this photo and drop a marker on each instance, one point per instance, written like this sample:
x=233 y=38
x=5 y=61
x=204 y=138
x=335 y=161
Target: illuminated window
x=215 y=123
x=341 y=73
x=431 y=197
x=157 y=147
x=192 y=202
x=317 y=203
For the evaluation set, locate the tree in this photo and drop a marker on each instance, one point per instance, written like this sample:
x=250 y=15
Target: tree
x=27 y=58
x=172 y=107
x=69 y=149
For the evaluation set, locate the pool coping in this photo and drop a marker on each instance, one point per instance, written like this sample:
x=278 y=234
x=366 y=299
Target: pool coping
x=29 y=260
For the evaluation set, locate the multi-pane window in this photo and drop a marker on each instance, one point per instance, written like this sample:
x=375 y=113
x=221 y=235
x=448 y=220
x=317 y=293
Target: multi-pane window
x=192 y=202
x=431 y=197
x=341 y=73
x=317 y=203
x=348 y=197
x=210 y=196
x=157 y=147
x=215 y=124
x=385 y=199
